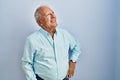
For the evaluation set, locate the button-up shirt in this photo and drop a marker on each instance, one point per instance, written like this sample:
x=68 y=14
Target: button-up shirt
x=49 y=57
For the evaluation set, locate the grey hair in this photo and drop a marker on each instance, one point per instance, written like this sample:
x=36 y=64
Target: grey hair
x=37 y=14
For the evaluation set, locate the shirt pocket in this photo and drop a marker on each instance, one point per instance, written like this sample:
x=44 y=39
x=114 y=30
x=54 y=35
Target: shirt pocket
x=66 y=51
x=45 y=53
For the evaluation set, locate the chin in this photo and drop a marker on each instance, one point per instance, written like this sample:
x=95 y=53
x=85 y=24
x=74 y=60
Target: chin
x=55 y=25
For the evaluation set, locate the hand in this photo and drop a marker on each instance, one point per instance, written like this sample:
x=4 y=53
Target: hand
x=71 y=69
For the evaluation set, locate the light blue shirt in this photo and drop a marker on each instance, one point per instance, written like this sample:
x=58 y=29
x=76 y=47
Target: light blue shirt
x=47 y=57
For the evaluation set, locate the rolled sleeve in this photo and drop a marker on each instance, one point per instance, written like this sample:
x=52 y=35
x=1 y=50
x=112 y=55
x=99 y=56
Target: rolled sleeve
x=74 y=48
x=74 y=51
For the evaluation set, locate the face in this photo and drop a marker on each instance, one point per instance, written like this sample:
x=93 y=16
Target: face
x=47 y=19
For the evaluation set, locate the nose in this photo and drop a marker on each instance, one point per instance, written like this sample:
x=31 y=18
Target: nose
x=53 y=15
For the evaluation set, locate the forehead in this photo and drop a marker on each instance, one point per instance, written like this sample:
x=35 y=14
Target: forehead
x=45 y=10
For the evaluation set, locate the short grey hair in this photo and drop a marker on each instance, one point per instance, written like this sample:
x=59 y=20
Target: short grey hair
x=37 y=14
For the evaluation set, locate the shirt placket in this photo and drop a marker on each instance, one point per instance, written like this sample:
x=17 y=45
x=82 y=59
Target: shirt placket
x=53 y=44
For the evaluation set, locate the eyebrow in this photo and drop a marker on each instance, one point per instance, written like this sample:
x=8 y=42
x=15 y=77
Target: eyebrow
x=48 y=14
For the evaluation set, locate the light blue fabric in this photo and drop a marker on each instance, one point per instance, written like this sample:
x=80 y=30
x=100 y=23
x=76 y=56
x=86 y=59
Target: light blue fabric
x=47 y=57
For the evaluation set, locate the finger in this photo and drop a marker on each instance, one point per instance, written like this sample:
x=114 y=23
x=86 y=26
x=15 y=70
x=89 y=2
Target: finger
x=69 y=75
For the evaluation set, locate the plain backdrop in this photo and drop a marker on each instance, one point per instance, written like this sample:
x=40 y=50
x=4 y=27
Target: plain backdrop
x=96 y=23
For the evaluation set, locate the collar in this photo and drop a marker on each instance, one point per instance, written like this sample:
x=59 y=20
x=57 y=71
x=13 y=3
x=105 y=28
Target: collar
x=44 y=32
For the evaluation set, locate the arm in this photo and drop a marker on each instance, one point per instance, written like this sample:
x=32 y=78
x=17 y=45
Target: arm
x=71 y=69
x=74 y=52
x=27 y=61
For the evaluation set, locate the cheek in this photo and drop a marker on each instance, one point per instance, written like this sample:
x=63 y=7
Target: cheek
x=47 y=20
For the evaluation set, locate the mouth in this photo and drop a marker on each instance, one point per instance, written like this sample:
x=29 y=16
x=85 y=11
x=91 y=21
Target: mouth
x=53 y=20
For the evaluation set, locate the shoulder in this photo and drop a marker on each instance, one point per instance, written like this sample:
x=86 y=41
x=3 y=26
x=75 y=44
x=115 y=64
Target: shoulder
x=33 y=35
x=64 y=31
x=66 y=34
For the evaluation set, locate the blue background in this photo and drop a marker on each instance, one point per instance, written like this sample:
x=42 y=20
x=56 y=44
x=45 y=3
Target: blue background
x=96 y=23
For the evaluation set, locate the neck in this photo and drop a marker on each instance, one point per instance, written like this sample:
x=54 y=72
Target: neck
x=51 y=32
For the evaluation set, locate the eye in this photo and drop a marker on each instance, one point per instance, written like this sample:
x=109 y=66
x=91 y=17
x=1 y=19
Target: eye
x=48 y=14
x=52 y=13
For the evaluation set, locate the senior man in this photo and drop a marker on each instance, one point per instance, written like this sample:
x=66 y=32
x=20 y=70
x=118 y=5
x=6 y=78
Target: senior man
x=50 y=53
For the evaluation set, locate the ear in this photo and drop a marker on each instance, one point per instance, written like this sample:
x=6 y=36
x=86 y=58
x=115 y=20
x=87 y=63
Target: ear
x=39 y=22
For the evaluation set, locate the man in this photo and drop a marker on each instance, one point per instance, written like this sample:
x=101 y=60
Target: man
x=50 y=53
